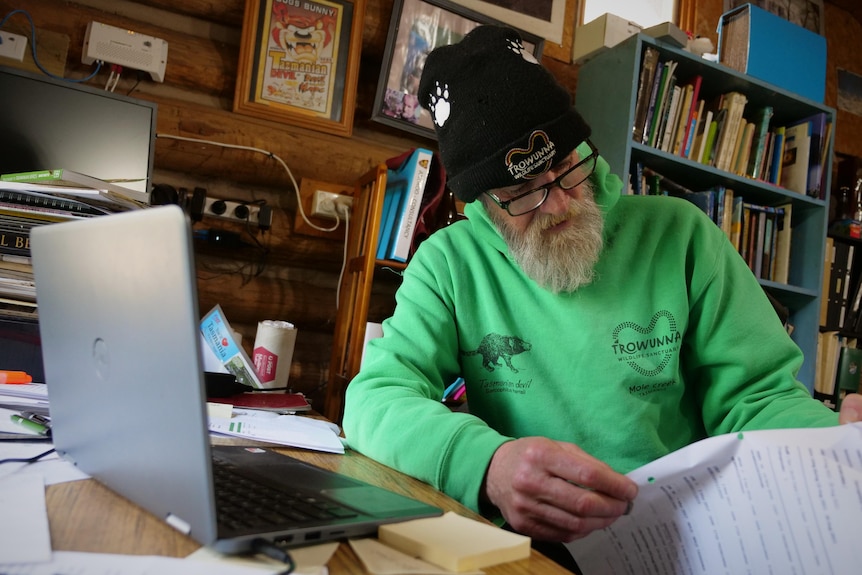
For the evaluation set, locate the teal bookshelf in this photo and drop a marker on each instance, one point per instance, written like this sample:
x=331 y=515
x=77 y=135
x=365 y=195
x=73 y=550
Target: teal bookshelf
x=606 y=96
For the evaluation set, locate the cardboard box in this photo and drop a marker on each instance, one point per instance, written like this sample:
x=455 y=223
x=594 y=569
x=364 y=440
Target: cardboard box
x=602 y=33
x=768 y=47
x=669 y=33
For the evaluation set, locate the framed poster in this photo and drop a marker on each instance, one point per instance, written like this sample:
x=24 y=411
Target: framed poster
x=299 y=62
x=416 y=28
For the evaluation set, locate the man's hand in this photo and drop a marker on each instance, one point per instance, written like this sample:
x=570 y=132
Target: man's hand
x=553 y=491
x=851 y=408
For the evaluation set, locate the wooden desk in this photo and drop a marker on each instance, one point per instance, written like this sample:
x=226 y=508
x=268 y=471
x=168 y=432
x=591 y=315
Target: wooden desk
x=85 y=516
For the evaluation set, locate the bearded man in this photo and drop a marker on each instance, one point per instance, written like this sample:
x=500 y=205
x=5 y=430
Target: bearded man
x=595 y=331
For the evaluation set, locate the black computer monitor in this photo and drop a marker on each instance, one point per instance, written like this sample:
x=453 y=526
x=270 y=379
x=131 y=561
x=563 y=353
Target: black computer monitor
x=47 y=123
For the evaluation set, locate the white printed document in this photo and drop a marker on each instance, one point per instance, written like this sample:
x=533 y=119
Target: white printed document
x=777 y=501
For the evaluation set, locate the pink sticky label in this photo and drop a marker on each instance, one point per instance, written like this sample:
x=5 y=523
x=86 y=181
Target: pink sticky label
x=265 y=364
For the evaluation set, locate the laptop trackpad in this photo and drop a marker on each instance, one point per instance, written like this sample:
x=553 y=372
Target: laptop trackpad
x=372 y=500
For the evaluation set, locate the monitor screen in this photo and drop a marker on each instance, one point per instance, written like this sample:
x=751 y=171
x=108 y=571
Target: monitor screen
x=49 y=124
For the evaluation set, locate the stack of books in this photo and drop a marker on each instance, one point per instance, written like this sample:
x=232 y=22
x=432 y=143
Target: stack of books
x=29 y=199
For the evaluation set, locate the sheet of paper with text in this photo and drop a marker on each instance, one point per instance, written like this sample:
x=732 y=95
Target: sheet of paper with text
x=776 y=501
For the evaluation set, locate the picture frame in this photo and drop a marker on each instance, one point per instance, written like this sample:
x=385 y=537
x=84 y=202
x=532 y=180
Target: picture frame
x=417 y=27
x=299 y=62
x=544 y=18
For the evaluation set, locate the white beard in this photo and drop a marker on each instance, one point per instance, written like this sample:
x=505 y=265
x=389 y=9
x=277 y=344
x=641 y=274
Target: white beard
x=559 y=262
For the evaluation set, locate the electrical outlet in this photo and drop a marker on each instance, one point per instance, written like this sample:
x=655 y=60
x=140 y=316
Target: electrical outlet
x=323 y=204
x=12 y=46
x=230 y=210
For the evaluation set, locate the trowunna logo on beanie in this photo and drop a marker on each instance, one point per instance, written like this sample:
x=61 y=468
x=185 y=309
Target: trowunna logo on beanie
x=536 y=159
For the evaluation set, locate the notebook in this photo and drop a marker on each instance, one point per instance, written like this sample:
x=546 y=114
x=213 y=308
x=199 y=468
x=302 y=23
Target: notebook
x=118 y=317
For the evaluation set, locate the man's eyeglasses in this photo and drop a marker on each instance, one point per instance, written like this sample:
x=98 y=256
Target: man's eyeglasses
x=571 y=178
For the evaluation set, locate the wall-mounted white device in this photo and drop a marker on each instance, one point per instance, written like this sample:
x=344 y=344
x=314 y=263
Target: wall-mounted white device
x=126 y=48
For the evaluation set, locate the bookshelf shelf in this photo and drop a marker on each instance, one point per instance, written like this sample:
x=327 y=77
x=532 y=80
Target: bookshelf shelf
x=607 y=97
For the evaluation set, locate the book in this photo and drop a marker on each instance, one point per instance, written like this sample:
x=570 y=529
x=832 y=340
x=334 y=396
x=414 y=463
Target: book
x=661 y=70
x=683 y=120
x=668 y=80
x=218 y=337
x=645 y=83
x=691 y=111
x=774 y=176
x=736 y=222
x=391 y=204
x=75 y=182
x=794 y=159
x=414 y=173
x=25 y=199
x=688 y=149
x=455 y=542
x=738 y=147
x=735 y=106
x=709 y=145
x=703 y=127
x=276 y=402
x=671 y=119
x=783 y=240
x=16 y=243
x=762 y=117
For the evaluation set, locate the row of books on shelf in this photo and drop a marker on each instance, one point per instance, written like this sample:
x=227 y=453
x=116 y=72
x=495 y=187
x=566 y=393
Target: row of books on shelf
x=405 y=188
x=30 y=199
x=725 y=132
x=761 y=234
x=839 y=368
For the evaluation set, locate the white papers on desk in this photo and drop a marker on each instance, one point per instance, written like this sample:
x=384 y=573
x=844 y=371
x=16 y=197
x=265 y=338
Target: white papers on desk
x=110 y=564
x=292 y=430
x=24 y=534
x=776 y=501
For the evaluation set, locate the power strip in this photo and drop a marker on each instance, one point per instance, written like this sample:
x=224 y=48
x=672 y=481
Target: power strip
x=230 y=210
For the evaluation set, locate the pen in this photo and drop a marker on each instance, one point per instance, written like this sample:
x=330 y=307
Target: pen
x=31 y=425
x=15 y=377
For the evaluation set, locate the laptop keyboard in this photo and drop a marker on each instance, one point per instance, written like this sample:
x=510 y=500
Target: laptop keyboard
x=243 y=504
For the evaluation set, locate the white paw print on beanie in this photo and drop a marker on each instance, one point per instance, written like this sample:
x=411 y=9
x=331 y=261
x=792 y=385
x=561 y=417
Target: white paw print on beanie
x=439 y=105
x=518 y=48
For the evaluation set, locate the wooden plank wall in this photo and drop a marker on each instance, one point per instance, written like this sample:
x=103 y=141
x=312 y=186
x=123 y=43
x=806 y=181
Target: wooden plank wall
x=297 y=279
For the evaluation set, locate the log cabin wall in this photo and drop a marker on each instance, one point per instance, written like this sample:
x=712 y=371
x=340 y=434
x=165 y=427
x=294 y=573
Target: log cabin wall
x=288 y=273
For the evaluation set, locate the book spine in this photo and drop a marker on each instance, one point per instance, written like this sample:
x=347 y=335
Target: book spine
x=16 y=243
x=403 y=241
x=645 y=83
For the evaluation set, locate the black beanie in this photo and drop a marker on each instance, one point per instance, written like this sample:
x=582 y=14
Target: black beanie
x=501 y=118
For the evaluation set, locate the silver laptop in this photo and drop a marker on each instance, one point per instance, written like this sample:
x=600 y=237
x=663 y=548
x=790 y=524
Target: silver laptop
x=118 y=317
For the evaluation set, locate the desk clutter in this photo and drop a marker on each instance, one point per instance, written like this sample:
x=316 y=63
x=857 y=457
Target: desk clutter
x=445 y=544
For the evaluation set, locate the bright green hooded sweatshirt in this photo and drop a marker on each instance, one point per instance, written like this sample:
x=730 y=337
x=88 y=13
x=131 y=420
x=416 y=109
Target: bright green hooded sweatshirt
x=674 y=341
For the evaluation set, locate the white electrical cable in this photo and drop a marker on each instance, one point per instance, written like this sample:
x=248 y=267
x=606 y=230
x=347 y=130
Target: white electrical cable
x=276 y=158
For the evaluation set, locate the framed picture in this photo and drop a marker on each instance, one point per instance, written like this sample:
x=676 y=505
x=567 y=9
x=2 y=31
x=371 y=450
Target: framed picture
x=805 y=13
x=416 y=28
x=299 y=62
x=544 y=18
